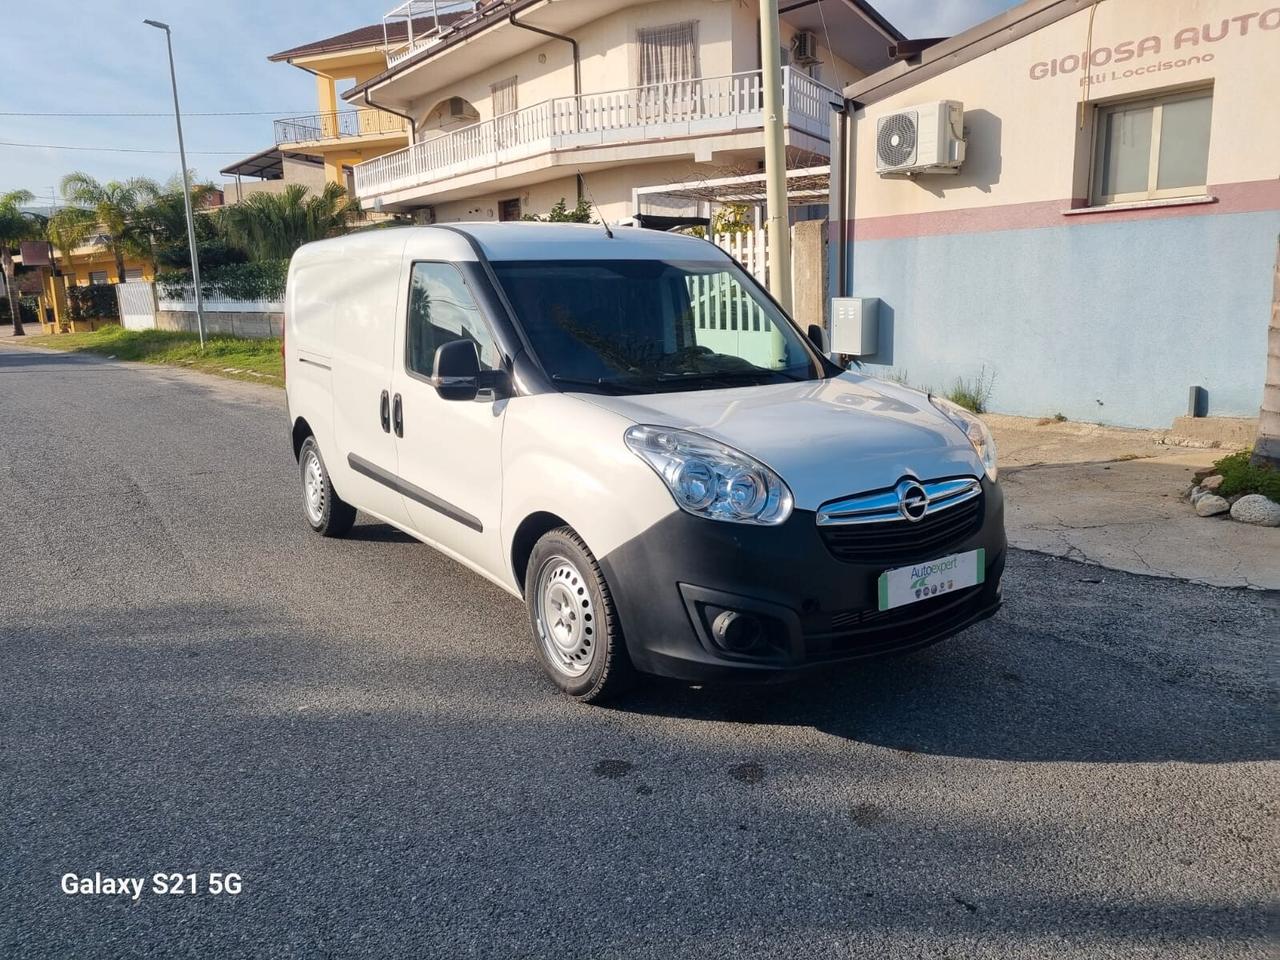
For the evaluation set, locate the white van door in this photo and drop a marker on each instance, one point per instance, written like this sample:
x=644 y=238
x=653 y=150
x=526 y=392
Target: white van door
x=450 y=451
x=364 y=331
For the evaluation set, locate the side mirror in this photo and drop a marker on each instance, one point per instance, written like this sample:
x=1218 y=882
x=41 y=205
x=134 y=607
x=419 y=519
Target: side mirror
x=818 y=337
x=456 y=371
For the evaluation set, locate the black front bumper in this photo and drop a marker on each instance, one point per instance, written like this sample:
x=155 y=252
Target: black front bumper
x=669 y=583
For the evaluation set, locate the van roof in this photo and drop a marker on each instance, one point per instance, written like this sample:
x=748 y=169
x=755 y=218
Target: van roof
x=514 y=241
x=581 y=241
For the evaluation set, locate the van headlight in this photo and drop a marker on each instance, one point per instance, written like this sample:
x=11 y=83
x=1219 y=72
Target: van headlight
x=983 y=443
x=711 y=480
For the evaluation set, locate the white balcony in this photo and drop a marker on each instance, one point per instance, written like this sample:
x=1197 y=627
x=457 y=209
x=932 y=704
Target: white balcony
x=690 y=108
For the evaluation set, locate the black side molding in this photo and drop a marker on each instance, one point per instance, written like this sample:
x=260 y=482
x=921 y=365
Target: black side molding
x=407 y=489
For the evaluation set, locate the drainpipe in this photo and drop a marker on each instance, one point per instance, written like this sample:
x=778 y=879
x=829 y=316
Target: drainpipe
x=840 y=179
x=577 y=73
x=577 y=63
x=413 y=124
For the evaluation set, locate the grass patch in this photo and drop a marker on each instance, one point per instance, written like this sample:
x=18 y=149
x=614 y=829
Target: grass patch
x=238 y=358
x=973 y=394
x=1240 y=476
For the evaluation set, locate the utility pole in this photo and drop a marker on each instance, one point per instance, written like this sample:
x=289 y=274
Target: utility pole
x=186 y=183
x=775 y=156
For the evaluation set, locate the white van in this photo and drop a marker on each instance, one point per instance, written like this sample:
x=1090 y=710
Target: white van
x=628 y=433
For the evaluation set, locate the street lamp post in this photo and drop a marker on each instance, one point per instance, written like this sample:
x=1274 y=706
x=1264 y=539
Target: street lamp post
x=186 y=181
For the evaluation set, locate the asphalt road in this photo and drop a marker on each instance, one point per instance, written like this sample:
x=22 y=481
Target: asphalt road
x=193 y=682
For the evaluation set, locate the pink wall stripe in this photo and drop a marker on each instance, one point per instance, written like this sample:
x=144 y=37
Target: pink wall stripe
x=1249 y=197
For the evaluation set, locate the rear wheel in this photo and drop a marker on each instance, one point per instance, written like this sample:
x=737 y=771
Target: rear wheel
x=575 y=628
x=328 y=514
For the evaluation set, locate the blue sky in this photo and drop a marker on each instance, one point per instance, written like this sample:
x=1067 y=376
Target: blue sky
x=96 y=56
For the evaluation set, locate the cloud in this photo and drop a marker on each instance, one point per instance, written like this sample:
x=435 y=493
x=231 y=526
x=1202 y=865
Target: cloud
x=939 y=18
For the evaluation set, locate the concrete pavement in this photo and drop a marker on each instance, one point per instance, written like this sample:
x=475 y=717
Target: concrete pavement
x=192 y=681
x=1116 y=498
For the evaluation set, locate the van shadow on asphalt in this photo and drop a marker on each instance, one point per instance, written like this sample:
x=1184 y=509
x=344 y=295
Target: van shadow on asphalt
x=1082 y=664
x=237 y=737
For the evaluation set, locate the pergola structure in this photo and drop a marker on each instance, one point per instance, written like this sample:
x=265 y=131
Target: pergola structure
x=805 y=186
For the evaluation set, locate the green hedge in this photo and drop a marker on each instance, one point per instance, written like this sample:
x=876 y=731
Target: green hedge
x=28 y=310
x=97 y=301
x=263 y=280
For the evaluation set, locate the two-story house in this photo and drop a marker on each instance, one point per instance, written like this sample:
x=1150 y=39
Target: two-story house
x=511 y=105
x=322 y=146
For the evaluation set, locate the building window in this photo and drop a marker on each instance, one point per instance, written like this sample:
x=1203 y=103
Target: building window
x=97 y=276
x=1152 y=149
x=668 y=54
x=132 y=273
x=509 y=210
x=504 y=97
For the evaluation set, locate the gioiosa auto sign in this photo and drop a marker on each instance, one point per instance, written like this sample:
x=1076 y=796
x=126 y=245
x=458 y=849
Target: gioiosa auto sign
x=1191 y=42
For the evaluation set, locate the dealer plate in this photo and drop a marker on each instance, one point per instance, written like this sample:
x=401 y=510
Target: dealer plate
x=923 y=580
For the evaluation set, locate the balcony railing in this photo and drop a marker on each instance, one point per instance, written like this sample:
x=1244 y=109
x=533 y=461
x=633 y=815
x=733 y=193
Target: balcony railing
x=338 y=126
x=707 y=106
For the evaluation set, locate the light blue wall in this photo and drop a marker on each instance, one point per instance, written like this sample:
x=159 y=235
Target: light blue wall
x=1104 y=322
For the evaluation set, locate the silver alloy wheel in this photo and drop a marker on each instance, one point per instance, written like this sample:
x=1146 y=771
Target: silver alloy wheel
x=313 y=487
x=565 y=616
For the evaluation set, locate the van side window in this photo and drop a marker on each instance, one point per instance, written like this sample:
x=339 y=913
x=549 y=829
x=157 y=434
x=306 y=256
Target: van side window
x=441 y=309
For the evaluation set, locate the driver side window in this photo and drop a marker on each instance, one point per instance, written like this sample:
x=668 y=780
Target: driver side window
x=442 y=309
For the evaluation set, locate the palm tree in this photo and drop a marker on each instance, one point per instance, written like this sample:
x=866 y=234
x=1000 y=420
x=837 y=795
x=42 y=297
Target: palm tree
x=15 y=225
x=68 y=229
x=116 y=204
x=271 y=226
x=160 y=225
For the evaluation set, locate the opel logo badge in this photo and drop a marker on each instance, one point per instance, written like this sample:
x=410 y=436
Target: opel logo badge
x=913 y=502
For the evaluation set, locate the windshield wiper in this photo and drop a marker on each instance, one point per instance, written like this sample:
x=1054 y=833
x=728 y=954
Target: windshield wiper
x=600 y=383
x=723 y=376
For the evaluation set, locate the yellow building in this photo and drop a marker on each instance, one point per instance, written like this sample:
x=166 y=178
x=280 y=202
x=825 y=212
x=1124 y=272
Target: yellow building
x=341 y=138
x=95 y=263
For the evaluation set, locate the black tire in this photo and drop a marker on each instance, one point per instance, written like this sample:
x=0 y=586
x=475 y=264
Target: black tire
x=332 y=516
x=608 y=670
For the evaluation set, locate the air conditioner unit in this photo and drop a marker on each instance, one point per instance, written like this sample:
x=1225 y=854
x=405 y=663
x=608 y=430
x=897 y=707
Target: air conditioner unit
x=928 y=138
x=804 y=48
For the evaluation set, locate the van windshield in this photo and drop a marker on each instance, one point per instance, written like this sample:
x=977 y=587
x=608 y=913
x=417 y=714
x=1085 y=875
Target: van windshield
x=647 y=326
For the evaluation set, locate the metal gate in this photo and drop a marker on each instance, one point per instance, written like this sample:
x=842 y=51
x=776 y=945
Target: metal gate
x=137 y=300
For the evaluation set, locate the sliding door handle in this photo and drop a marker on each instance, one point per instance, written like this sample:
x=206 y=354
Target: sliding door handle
x=384 y=411
x=397 y=416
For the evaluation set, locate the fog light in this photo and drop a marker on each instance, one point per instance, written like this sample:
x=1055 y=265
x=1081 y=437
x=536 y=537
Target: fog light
x=736 y=631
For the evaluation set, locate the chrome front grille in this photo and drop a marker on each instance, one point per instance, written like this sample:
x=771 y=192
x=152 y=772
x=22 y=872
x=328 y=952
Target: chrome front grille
x=885 y=506
x=872 y=529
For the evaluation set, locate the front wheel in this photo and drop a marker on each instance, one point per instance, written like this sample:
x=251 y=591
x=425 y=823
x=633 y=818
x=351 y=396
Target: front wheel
x=575 y=627
x=328 y=514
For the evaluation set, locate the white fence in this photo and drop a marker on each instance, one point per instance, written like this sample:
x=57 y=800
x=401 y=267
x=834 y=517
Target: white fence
x=184 y=298
x=683 y=108
x=727 y=320
x=137 y=300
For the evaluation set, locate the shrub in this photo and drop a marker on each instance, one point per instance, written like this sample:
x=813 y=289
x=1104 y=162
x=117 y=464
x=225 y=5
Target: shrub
x=97 y=301
x=259 y=280
x=27 y=310
x=214 y=253
x=973 y=394
x=1241 y=476
x=560 y=213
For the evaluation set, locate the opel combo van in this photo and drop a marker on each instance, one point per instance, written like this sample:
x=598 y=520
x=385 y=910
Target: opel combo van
x=625 y=431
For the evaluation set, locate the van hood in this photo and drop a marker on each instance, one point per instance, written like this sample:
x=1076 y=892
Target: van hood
x=825 y=438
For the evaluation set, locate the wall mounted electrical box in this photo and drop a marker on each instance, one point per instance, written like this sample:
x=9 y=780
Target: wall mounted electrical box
x=855 y=324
